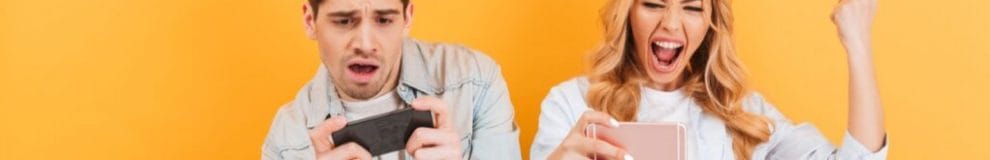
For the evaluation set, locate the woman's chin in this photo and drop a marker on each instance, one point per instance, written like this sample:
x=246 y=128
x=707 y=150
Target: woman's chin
x=660 y=80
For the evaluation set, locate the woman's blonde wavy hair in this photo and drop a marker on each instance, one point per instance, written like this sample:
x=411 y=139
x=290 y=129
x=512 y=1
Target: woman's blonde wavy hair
x=714 y=79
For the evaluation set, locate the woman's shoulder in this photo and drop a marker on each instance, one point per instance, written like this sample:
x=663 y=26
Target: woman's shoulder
x=567 y=96
x=573 y=89
x=757 y=103
x=579 y=83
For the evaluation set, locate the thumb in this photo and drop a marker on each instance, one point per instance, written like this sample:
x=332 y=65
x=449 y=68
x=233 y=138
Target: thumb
x=439 y=109
x=328 y=127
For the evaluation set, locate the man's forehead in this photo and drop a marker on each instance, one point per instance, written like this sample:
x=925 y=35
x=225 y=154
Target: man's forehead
x=370 y=5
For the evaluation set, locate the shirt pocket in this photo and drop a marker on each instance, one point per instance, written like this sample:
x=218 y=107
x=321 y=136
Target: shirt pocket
x=466 y=141
x=297 y=146
x=298 y=152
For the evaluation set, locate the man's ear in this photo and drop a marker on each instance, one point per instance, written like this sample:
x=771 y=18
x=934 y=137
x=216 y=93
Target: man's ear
x=408 y=16
x=309 y=18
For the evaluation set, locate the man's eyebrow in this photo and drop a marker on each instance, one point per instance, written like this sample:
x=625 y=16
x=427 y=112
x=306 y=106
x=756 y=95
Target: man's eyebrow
x=686 y=1
x=341 y=14
x=387 y=11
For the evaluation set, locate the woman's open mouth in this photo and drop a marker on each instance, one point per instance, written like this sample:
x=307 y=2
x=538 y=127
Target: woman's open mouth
x=667 y=54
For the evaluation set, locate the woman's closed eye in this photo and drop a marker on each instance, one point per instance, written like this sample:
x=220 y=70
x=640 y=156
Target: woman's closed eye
x=694 y=8
x=652 y=5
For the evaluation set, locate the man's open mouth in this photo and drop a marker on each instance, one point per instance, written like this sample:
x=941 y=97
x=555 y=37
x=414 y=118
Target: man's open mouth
x=667 y=53
x=361 y=72
x=362 y=68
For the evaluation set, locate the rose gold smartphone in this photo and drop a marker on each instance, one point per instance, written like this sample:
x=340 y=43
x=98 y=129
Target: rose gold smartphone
x=644 y=141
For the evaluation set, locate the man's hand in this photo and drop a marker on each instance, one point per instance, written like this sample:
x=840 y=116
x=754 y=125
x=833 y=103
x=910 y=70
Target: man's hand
x=324 y=147
x=434 y=143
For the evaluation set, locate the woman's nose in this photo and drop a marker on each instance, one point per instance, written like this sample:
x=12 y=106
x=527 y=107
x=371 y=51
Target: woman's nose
x=671 y=20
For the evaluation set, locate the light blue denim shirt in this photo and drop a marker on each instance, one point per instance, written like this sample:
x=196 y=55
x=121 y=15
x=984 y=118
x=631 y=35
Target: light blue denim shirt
x=468 y=81
x=706 y=134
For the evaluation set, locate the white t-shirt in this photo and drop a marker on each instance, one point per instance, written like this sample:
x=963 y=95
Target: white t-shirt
x=360 y=109
x=663 y=106
x=706 y=137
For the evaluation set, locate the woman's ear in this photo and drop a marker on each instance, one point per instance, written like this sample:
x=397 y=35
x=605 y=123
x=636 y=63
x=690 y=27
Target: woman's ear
x=309 y=18
x=408 y=16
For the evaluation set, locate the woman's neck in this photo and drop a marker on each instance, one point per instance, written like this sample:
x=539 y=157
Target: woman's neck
x=667 y=87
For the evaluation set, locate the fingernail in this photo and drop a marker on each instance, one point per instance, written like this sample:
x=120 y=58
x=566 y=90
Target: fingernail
x=613 y=122
x=627 y=157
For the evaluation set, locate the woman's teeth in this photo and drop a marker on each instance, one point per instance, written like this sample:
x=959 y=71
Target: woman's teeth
x=666 y=52
x=667 y=45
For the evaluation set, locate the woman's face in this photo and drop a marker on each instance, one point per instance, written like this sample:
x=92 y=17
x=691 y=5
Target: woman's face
x=666 y=34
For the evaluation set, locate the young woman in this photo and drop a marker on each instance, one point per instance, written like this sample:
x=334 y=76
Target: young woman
x=673 y=60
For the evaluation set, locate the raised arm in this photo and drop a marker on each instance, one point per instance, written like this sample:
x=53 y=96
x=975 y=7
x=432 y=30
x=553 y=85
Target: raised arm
x=854 y=20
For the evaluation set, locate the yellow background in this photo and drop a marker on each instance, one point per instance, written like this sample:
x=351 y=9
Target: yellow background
x=195 y=79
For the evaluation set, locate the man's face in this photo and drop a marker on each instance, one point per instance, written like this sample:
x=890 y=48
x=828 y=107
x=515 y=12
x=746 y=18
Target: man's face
x=360 y=43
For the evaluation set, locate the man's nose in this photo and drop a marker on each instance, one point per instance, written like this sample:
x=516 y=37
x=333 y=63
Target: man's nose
x=364 y=40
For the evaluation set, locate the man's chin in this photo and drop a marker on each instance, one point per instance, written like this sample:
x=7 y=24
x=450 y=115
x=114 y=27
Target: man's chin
x=361 y=92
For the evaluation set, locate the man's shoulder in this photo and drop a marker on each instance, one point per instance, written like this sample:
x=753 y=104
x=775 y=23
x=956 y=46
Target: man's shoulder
x=289 y=115
x=447 y=53
x=457 y=61
x=288 y=133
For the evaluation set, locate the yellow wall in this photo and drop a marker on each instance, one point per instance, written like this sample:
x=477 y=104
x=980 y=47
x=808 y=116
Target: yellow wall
x=193 y=79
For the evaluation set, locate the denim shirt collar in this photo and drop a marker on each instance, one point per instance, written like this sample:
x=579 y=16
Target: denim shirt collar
x=415 y=73
x=321 y=101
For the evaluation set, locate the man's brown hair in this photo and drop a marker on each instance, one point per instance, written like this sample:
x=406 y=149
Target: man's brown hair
x=315 y=5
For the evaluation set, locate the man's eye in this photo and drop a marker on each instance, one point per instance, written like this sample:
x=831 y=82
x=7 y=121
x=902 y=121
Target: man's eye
x=694 y=9
x=346 y=21
x=384 y=21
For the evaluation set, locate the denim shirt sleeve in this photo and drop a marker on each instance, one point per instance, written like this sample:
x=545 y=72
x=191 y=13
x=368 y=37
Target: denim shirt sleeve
x=288 y=137
x=495 y=133
x=804 y=141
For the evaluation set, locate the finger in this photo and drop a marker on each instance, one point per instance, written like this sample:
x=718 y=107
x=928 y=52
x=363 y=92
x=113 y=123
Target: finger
x=329 y=126
x=426 y=137
x=347 y=151
x=332 y=125
x=435 y=153
x=320 y=135
x=593 y=117
x=438 y=107
x=602 y=149
x=836 y=10
x=575 y=156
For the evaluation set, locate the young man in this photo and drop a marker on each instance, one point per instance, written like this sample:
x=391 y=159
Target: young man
x=370 y=67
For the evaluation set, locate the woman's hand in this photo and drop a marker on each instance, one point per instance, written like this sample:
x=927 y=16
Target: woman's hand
x=579 y=146
x=854 y=20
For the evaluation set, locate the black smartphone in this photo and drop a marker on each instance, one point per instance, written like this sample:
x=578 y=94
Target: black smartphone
x=384 y=133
